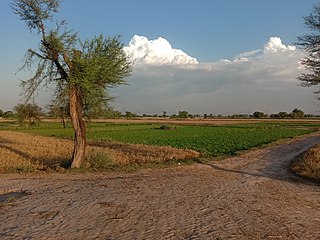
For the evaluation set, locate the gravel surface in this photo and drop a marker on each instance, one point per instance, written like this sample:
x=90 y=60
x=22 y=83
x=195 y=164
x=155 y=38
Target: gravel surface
x=253 y=196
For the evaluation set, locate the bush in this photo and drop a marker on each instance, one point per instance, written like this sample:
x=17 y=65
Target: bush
x=308 y=164
x=167 y=127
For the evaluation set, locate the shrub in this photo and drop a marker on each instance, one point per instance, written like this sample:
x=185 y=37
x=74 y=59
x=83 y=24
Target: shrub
x=308 y=164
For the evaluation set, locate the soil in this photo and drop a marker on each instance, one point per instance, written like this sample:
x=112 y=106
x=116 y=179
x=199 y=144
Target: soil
x=252 y=196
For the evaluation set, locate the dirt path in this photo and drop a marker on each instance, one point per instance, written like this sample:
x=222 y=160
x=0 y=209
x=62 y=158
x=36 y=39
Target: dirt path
x=249 y=197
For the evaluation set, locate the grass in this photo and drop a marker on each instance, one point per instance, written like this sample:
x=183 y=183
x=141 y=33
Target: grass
x=308 y=164
x=130 y=146
x=22 y=152
x=210 y=141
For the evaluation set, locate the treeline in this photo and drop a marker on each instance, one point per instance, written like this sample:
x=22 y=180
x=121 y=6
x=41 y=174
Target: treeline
x=32 y=113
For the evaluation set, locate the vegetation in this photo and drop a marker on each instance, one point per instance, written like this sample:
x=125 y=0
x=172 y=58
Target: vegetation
x=210 y=141
x=308 y=164
x=37 y=153
x=311 y=44
x=128 y=146
x=28 y=112
x=296 y=113
x=259 y=115
x=82 y=71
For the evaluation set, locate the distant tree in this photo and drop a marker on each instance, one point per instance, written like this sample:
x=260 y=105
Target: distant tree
x=8 y=114
x=129 y=115
x=59 y=111
x=183 y=114
x=28 y=112
x=164 y=115
x=297 y=113
x=311 y=44
x=273 y=115
x=205 y=116
x=258 y=114
x=112 y=114
x=283 y=115
x=81 y=70
x=1 y=113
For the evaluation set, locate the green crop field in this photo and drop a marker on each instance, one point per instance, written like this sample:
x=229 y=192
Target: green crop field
x=209 y=140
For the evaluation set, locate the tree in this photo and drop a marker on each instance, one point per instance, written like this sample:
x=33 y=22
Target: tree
x=80 y=70
x=130 y=115
x=283 y=115
x=59 y=111
x=258 y=115
x=297 y=113
x=164 y=115
x=8 y=114
x=183 y=114
x=1 y=113
x=311 y=44
x=28 y=112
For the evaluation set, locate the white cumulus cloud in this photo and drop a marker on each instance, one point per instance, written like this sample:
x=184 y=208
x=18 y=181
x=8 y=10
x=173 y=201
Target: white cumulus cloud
x=264 y=79
x=274 y=45
x=141 y=50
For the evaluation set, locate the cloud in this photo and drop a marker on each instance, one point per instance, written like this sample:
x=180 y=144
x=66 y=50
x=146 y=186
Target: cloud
x=275 y=46
x=159 y=51
x=264 y=79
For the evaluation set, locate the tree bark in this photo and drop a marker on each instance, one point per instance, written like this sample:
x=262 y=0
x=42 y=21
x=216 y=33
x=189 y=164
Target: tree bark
x=78 y=126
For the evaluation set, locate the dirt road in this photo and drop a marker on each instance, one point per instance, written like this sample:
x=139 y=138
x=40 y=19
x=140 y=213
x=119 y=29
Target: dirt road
x=249 y=197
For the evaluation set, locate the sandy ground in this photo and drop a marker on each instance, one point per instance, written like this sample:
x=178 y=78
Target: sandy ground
x=253 y=196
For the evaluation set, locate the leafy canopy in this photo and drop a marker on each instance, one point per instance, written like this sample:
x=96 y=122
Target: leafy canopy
x=92 y=66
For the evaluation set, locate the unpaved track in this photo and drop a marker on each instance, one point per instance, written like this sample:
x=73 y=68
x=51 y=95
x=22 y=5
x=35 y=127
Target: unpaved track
x=249 y=197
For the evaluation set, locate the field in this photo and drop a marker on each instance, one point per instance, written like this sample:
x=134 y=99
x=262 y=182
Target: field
x=138 y=142
x=252 y=195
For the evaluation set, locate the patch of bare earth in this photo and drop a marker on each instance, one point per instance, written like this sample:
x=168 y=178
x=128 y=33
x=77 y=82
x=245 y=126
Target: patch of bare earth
x=253 y=196
x=29 y=152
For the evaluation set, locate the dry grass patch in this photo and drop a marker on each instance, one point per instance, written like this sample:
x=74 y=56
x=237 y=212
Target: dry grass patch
x=308 y=164
x=26 y=152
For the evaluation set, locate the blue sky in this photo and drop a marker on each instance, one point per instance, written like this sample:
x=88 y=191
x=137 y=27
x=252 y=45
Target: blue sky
x=208 y=30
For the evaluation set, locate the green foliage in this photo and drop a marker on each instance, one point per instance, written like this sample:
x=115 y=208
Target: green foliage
x=28 y=112
x=258 y=115
x=297 y=113
x=164 y=115
x=209 y=140
x=101 y=64
x=167 y=127
x=183 y=114
x=91 y=66
x=1 y=113
x=82 y=71
x=130 y=115
x=8 y=114
x=34 y=12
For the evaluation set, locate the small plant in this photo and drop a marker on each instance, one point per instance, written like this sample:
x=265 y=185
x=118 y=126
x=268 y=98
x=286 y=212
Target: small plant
x=167 y=127
x=100 y=161
x=308 y=163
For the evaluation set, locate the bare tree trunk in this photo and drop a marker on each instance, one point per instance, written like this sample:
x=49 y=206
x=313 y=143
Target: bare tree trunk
x=79 y=128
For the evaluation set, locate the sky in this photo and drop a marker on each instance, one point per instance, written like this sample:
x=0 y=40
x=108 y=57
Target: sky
x=206 y=56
